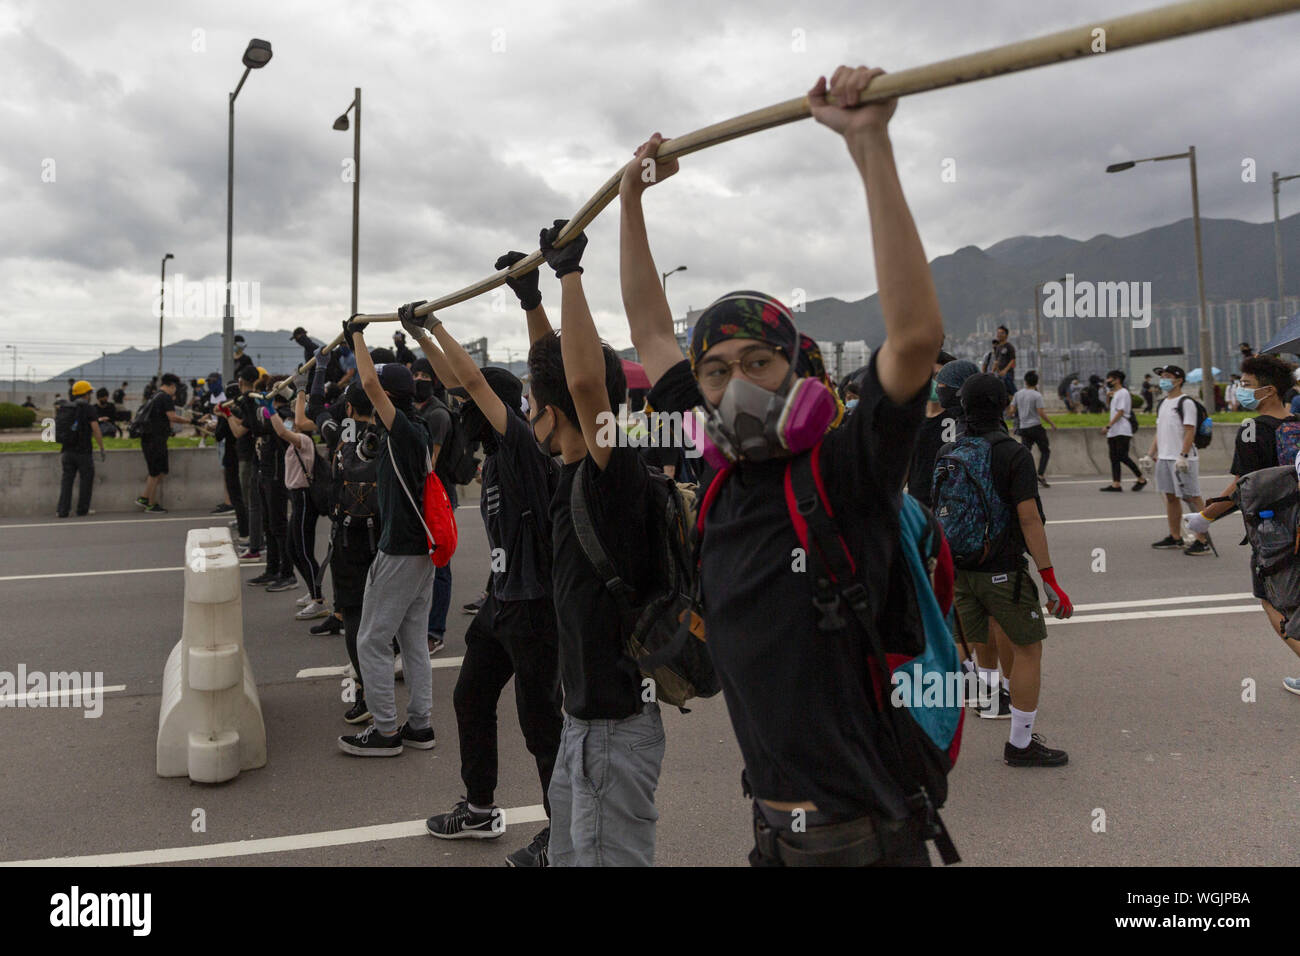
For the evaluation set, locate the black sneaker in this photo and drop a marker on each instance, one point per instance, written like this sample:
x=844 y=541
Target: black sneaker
x=1138 y=485
x=286 y=583
x=1035 y=755
x=155 y=510
x=358 y=713
x=262 y=579
x=222 y=508
x=1043 y=481
x=1167 y=542
x=1197 y=549
x=371 y=743
x=473 y=607
x=462 y=823
x=419 y=739
x=331 y=625
x=436 y=644
x=142 y=502
x=1110 y=488
x=1003 y=711
x=534 y=854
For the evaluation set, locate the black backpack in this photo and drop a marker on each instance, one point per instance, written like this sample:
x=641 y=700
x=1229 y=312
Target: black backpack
x=665 y=633
x=356 y=498
x=65 y=423
x=139 y=426
x=319 y=485
x=456 y=456
x=1204 y=423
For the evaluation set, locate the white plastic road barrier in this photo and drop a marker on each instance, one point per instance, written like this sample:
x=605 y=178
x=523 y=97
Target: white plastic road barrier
x=210 y=724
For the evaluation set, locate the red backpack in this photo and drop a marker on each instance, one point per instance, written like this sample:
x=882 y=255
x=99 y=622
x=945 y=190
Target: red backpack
x=436 y=515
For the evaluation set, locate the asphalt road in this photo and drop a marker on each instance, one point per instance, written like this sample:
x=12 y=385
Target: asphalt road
x=1146 y=696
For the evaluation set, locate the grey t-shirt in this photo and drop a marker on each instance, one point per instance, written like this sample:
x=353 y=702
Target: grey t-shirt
x=1029 y=402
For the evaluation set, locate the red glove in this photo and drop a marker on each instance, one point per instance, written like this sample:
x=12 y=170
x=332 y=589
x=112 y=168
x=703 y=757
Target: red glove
x=1058 y=602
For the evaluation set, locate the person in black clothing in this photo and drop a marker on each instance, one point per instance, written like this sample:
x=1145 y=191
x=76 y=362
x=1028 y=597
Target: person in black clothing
x=309 y=345
x=243 y=425
x=806 y=718
x=1264 y=380
x=242 y=359
x=947 y=424
x=1001 y=360
x=162 y=413
x=119 y=395
x=404 y=355
x=230 y=467
x=105 y=414
x=514 y=634
x=78 y=455
x=1148 y=393
x=279 y=574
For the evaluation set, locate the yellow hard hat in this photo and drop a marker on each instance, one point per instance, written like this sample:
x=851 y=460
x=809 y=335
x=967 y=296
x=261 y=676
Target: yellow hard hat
x=202 y=382
x=81 y=388
x=261 y=371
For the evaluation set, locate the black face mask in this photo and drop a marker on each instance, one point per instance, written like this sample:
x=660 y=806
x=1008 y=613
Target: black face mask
x=423 y=390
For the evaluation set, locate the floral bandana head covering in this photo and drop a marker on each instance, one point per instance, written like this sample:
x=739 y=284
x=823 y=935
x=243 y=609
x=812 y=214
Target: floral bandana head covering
x=746 y=315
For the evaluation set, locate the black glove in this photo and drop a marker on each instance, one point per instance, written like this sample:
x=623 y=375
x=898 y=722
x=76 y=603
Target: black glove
x=524 y=286
x=410 y=321
x=565 y=260
x=350 y=326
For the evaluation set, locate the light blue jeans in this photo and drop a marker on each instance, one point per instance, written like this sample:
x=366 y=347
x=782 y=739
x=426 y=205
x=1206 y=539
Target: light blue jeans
x=602 y=792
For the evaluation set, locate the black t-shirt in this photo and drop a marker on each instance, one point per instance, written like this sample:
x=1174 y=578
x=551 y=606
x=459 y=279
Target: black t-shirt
x=244 y=361
x=438 y=418
x=930 y=437
x=245 y=444
x=798 y=703
x=410 y=446
x=518 y=484
x=601 y=682
x=1000 y=357
x=222 y=432
x=107 y=411
x=1248 y=456
x=160 y=426
x=119 y=396
x=81 y=434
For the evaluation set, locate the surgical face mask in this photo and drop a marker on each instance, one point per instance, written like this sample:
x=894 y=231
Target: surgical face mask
x=237 y=351
x=934 y=389
x=1166 y=385
x=852 y=403
x=1248 y=398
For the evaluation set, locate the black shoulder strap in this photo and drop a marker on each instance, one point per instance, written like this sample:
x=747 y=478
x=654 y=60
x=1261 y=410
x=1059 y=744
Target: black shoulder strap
x=834 y=579
x=589 y=540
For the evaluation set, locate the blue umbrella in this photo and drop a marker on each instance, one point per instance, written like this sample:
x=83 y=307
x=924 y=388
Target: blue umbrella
x=1288 y=340
x=1194 y=375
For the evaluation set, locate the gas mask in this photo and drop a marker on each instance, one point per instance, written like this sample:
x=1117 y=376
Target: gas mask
x=754 y=424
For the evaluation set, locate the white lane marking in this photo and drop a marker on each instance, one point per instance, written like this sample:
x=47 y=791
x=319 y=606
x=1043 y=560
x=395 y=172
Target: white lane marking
x=1175 y=612
x=301 y=841
x=1192 y=599
x=1053 y=522
x=91 y=574
x=309 y=672
x=11 y=700
x=68 y=523
x=1102 y=478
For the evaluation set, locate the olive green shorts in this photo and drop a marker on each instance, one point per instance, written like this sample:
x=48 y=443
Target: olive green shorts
x=981 y=595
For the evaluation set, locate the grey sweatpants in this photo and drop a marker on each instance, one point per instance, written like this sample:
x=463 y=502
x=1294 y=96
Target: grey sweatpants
x=399 y=588
x=602 y=791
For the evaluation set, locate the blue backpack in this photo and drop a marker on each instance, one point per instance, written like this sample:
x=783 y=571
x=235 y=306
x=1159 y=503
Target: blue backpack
x=975 y=519
x=1286 y=436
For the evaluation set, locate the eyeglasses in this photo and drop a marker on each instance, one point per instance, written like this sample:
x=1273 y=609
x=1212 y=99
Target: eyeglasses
x=758 y=363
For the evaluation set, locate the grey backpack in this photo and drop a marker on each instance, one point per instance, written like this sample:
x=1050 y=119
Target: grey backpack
x=1274 y=549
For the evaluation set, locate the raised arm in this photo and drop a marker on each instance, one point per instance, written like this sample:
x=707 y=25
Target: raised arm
x=648 y=315
x=441 y=367
x=469 y=375
x=352 y=333
x=913 y=323
x=584 y=358
x=526 y=290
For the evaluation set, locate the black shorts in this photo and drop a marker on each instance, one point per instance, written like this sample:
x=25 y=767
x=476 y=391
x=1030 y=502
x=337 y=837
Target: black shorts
x=155 y=455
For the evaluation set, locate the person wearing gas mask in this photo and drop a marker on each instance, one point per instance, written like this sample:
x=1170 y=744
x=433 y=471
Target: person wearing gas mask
x=514 y=634
x=802 y=709
x=399 y=584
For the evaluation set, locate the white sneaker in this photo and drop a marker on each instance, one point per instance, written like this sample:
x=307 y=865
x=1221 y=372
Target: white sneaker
x=350 y=672
x=304 y=600
x=311 y=611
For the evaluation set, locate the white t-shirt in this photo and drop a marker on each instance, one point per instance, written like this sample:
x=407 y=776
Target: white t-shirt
x=1121 y=401
x=1029 y=402
x=1169 y=426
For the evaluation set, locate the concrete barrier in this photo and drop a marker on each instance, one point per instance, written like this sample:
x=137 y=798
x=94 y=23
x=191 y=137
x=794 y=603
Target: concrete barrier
x=210 y=721
x=30 y=481
x=1083 y=451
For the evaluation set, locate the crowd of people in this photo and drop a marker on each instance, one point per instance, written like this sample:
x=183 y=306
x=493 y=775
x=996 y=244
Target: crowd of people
x=804 y=571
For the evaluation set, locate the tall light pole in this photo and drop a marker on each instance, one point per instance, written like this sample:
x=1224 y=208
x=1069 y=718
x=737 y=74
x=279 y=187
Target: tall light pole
x=162 y=310
x=1277 y=242
x=256 y=56
x=665 y=276
x=341 y=124
x=1207 y=349
x=13 y=384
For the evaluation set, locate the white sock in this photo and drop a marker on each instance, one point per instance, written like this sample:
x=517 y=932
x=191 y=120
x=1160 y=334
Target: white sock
x=1022 y=727
x=1006 y=684
x=968 y=666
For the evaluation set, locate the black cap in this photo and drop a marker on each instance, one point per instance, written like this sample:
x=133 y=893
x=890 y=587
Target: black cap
x=396 y=379
x=1172 y=370
x=422 y=365
x=297 y=332
x=239 y=338
x=984 y=390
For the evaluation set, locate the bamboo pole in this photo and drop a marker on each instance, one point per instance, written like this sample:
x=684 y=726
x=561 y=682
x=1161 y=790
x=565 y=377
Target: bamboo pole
x=1098 y=38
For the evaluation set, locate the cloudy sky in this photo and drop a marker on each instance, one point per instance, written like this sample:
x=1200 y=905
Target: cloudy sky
x=484 y=121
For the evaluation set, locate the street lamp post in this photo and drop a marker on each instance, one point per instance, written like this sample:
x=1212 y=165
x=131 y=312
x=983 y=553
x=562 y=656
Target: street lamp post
x=665 y=276
x=162 y=310
x=256 y=56
x=1038 y=326
x=13 y=384
x=1277 y=242
x=1206 y=344
x=342 y=124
